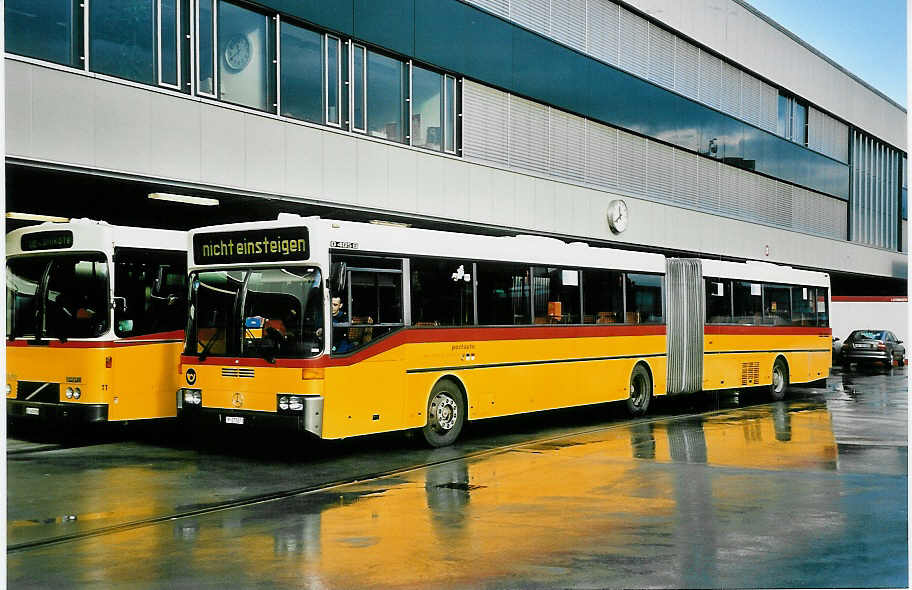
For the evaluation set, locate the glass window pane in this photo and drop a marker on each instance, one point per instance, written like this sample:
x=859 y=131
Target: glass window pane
x=556 y=295
x=122 y=39
x=333 y=75
x=206 y=45
x=76 y=303
x=776 y=305
x=212 y=311
x=718 y=301
x=23 y=278
x=748 y=301
x=783 y=126
x=427 y=105
x=358 y=81
x=243 y=56
x=450 y=114
x=799 y=122
x=644 y=299
x=154 y=291
x=302 y=73
x=169 y=41
x=804 y=311
x=823 y=317
x=385 y=96
x=441 y=292
x=283 y=313
x=503 y=294
x=44 y=30
x=603 y=297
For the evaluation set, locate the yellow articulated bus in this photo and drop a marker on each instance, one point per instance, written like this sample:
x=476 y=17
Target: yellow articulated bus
x=95 y=318
x=344 y=329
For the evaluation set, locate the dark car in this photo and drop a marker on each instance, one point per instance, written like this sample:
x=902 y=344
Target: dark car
x=872 y=346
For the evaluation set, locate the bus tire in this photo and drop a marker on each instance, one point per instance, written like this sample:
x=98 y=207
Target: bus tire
x=640 y=391
x=446 y=413
x=780 y=380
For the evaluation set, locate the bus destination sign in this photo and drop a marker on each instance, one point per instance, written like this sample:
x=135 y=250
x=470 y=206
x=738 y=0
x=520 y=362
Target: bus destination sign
x=47 y=240
x=260 y=245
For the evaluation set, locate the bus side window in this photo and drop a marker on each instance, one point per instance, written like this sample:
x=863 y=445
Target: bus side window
x=748 y=302
x=644 y=299
x=151 y=292
x=603 y=297
x=718 y=301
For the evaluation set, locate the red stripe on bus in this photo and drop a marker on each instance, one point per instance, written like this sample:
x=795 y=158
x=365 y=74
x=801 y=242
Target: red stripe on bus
x=768 y=330
x=429 y=335
x=871 y=298
x=99 y=343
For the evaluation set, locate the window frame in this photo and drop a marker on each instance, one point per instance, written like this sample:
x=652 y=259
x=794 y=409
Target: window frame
x=197 y=27
x=178 y=43
x=338 y=65
x=351 y=90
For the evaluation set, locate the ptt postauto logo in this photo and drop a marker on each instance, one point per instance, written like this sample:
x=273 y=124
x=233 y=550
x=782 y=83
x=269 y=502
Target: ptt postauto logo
x=237 y=400
x=191 y=376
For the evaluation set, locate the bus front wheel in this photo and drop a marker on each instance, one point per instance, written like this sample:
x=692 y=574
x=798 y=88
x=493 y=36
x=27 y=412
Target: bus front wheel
x=640 y=391
x=446 y=413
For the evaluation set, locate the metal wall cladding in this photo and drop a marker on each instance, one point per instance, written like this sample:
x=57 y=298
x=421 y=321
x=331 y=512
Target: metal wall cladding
x=661 y=56
x=874 y=204
x=603 y=28
x=828 y=135
x=634 y=46
x=685 y=314
x=568 y=23
x=509 y=131
x=687 y=69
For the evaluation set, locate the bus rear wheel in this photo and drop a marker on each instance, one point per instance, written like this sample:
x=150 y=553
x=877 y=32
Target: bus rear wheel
x=640 y=391
x=780 y=380
x=445 y=414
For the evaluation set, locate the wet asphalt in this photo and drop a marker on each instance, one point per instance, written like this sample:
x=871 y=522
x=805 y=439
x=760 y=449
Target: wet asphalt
x=707 y=491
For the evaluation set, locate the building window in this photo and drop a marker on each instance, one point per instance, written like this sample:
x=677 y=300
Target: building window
x=169 y=42
x=122 y=39
x=359 y=85
x=433 y=110
x=333 y=80
x=387 y=85
x=793 y=115
x=301 y=73
x=245 y=41
x=205 y=47
x=50 y=31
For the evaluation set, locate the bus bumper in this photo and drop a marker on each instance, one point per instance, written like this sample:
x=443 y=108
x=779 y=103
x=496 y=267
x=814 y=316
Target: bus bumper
x=56 y=412
x=310 y=419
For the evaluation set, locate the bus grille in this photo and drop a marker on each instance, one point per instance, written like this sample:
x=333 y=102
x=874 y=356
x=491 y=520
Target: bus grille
x=750 y=373
x=38 y=391
x=237 y=372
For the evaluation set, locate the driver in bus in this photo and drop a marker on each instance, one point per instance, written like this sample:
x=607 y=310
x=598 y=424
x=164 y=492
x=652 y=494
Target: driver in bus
x=341 y=343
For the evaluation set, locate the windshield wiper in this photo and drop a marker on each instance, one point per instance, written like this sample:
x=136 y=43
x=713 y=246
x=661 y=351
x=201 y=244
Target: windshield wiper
x=268 y=356
x=209 y=343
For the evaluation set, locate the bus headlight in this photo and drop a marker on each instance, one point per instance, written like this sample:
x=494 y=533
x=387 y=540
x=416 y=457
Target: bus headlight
x=192 y=396
x=9 y=388
x=295 y=403
x=77 y=393
x=283 y=403
x=69 y=393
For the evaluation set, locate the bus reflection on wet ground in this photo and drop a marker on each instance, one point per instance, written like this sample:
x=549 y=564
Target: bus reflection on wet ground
x=810 y=492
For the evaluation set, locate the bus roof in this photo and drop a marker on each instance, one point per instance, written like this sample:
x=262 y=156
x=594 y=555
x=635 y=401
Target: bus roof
x=91 y=235
x=359 y=237
x=765 y=272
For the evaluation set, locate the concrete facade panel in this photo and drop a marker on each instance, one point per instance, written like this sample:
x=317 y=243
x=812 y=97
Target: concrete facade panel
x=123 y=130
x=18 y=103
x=175 y=138
x=403 y=178
x=456 y=189
x=430 y=183
x=62 y=130
x=340 y=169
x=373 y=175
x=264 y=154
x=304 y=164
x=222 y=147
x=734 y=31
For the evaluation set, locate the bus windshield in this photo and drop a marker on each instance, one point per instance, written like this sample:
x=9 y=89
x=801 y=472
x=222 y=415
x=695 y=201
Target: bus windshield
x=263 y=313
x=64 y=296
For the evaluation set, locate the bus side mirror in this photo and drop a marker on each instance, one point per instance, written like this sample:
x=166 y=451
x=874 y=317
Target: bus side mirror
x=119 y=304
x=338 y=275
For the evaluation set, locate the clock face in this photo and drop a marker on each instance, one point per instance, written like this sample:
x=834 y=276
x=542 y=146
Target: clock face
x=618 y=216
x=237 y=52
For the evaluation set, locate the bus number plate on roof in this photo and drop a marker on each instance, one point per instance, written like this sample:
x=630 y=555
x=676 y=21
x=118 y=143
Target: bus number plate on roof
x=47 y=240
x=260 y=245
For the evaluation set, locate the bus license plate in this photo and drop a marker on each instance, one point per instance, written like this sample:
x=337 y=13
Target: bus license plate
x=33 y=411
x=234 y=419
